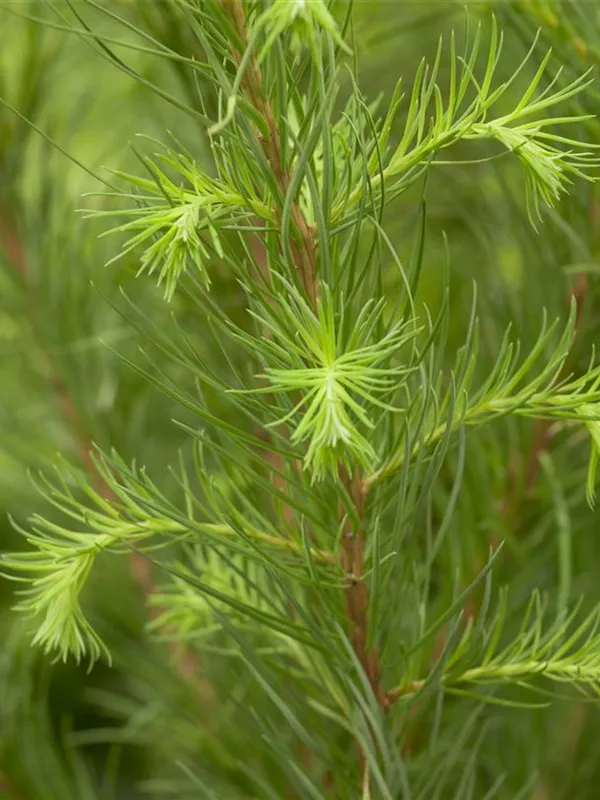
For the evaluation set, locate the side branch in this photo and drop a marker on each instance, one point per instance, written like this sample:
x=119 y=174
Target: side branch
x=140 y=567
x=560 y=670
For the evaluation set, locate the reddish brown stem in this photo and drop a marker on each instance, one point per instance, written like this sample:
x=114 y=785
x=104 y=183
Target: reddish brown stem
x=357 y=595
x=304 y=254
x=304 y=248
x=7 y=789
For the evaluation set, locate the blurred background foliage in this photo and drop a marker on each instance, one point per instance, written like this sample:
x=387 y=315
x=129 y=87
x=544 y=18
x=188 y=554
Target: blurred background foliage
x=123 y=732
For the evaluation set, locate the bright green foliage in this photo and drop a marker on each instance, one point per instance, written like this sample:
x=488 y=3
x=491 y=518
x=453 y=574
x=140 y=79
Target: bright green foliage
x=171 y=230
x=303 y=19
x=336 y=379
x=321 y=362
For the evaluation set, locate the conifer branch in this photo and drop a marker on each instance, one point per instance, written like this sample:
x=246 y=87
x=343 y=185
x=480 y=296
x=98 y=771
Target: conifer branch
x=140 y=567
x=305 y=257
x=562 y=654
x=553 y=395
x=541 y=440
x=519 y=671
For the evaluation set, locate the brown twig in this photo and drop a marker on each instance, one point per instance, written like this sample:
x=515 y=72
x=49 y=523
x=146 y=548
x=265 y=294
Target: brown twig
x=357 y=595
x=304 y=249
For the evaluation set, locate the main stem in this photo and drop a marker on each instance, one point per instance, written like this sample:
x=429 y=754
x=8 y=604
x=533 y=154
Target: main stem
x=357 y=593
x=303 y=250
x=304 y=253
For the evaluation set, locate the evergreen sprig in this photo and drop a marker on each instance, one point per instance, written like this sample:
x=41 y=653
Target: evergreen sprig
x=561 y=653
x=181 y=231
x=432 y=125
x=337 y=380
